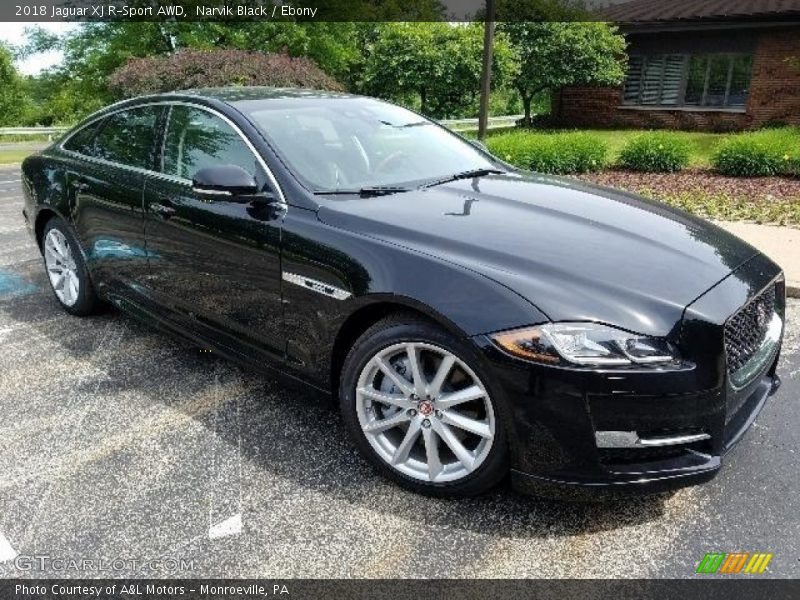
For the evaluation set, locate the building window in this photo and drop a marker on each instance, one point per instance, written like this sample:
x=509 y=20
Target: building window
x=711 y=80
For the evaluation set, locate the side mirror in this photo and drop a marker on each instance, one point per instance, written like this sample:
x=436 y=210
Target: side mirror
x=224 y=181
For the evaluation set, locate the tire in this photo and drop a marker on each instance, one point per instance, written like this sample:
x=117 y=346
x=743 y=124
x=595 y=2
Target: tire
x=66 y=269
x=426 y=424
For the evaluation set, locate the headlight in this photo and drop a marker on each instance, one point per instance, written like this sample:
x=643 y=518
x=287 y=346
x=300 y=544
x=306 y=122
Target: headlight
x=584 y=344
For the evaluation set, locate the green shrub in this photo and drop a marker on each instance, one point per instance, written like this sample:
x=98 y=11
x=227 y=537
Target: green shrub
x=760 y=154
x=747 y=157
x=554 y=153
x=655 y=153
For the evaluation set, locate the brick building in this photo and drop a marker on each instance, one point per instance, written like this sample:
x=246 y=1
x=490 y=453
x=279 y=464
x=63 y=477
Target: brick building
x=697 y=64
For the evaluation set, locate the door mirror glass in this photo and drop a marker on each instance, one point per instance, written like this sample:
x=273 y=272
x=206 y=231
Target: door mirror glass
x=224 y=180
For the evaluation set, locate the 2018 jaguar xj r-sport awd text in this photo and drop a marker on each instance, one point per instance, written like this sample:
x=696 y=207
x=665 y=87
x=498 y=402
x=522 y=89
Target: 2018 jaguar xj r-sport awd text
x=472 y=319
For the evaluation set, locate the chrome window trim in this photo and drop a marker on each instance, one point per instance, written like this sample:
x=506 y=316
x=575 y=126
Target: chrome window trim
x=157 y=174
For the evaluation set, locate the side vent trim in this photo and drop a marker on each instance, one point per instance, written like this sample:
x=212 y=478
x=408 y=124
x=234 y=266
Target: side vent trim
x=317 y=286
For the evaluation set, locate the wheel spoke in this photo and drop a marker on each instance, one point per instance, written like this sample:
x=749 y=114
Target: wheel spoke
x=384 y=424
x=479 y=428
x=390 y=399
x=441 y=374
x=60 y=280
x=58 y=243
x=463 y=455
x=469 y=394
x=67 y=289
x=73 y=285
x=432 y=453
x=416 y=371
x=399 y=382
x=401 y=452
x=50 y=255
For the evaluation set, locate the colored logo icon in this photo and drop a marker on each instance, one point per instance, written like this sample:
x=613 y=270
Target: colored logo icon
x=737 y=562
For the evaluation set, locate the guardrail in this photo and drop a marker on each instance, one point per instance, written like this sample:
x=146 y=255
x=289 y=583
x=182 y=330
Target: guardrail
x=454 y=124
x=494 y=123
x=48 y=131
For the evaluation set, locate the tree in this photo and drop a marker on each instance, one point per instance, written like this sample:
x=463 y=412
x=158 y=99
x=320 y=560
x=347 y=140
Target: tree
x=437 y=63
x=557 y=54
x=11 y=96
x=213 y=68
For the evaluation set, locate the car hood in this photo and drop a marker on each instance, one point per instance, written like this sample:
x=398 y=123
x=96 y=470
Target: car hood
x=576 y=251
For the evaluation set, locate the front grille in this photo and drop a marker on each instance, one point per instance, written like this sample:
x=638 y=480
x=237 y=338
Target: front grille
x=746 y=330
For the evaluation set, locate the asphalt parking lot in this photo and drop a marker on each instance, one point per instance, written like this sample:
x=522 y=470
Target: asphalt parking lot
x=117 y=442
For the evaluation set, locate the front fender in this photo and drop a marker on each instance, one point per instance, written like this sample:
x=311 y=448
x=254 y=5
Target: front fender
x=370 y=272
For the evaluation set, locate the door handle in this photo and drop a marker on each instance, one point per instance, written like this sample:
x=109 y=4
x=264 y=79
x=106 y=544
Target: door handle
x=164 y=208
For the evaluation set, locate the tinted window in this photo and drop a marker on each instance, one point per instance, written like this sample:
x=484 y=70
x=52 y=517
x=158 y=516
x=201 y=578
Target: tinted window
x=127 y=137
x=197 y=139
x=83 y=141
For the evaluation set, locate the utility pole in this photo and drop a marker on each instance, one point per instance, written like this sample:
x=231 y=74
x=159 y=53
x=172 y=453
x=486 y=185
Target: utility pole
x=486 y=73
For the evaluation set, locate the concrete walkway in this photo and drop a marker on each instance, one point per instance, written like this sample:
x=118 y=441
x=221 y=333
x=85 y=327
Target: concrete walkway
x=781 y=244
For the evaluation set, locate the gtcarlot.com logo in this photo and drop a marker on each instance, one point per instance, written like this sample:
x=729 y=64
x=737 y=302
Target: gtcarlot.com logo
x=735 y=563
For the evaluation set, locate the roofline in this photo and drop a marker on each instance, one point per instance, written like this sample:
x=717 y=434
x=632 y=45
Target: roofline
x=703 y=25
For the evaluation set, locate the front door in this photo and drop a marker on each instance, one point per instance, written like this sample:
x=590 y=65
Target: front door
x=214 y=261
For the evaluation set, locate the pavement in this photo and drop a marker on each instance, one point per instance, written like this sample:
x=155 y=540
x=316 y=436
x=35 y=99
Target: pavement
x=781 y=244
x=119 y=442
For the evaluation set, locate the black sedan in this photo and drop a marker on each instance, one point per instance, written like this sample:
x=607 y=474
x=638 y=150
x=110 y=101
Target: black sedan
x=472 y=320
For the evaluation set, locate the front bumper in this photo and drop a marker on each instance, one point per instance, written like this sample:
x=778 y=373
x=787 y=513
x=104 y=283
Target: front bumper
x=677 y=466
x=554 y=414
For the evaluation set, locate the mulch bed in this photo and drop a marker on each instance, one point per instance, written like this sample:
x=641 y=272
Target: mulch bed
x=699 y=181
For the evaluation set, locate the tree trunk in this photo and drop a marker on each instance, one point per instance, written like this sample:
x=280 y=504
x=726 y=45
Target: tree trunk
x=486 y=70
x=526 y=104
x=423 y=101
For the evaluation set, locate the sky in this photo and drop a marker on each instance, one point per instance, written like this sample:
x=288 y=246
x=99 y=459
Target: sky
x=14 y=33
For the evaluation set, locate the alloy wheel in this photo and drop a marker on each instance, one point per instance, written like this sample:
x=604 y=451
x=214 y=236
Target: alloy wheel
x=425 y=412
x=61 y=267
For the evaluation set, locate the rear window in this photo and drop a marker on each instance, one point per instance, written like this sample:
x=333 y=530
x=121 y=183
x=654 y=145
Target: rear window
x=128 y=137
x=82 y=141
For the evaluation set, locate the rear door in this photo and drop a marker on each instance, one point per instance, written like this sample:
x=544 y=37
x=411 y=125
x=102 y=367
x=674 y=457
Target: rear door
x=214 y=261
x=107 y=166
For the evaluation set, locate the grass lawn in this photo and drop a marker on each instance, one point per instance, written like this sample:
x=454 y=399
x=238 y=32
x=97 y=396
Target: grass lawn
x=702 y=144
x=14 y=155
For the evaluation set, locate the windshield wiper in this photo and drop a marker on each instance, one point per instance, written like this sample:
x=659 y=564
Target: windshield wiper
x=464 y=175
x=405 y=125
x=368 y=191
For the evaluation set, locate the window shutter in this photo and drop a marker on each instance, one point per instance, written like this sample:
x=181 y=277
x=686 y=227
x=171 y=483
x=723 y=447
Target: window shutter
x=651 y=79
x=633 y=82
x=673 y=79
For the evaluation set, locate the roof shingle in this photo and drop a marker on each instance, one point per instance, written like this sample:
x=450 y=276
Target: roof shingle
x=655 y=11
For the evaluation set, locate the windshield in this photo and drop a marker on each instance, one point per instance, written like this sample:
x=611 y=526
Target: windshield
x=344 y=144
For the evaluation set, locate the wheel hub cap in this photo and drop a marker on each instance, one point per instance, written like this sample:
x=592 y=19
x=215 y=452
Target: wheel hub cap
x=426 y=408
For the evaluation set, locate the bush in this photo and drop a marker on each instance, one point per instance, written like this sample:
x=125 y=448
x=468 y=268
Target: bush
x=199 y=68
x=759 y=154
x=655 y=153
x=554 y=153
